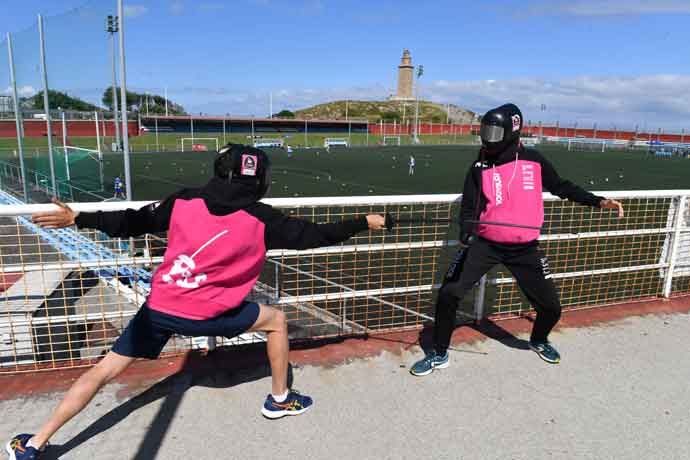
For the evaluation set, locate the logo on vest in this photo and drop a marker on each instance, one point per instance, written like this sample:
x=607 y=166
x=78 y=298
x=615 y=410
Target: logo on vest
x=182 y=271
x=528 y=177
x=498 y=188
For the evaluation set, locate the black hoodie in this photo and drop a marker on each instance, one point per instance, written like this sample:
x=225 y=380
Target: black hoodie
x=474 y=199
x=221 y=199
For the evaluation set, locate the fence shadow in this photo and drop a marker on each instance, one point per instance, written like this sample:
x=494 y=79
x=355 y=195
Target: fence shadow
x=223 y=368
x=486 y=327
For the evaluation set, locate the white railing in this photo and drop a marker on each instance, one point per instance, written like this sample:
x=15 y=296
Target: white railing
x=68 y=294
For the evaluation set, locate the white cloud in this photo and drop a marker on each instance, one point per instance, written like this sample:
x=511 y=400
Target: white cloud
x=177 y=7
x=662 y=100
x=26 y=91
x=607 y=8
x=134 y=11
x=23 y=91
x=658 y=101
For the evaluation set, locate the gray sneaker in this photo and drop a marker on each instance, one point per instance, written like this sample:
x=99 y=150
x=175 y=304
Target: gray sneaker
x=430 y=362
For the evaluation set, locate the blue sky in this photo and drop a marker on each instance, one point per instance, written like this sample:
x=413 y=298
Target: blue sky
x=613 y=62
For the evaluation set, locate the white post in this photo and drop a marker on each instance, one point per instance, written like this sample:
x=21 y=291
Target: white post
x=64 y=147
x=677 y=226
x=155 y=121
x=46 y=104
x=100 y=154
x=17 y=118
x=123 y=100
x=306 y=137
x=64 y=132
x=252 y=129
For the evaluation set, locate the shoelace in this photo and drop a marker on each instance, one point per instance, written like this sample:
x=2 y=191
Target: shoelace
x=430 y=357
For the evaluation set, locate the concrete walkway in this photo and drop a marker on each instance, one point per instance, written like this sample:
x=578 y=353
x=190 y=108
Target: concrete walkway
x=621 y=392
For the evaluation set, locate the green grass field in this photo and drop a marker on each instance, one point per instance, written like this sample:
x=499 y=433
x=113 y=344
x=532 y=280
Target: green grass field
x=372 y=170
x=440 y=169
x=149 y=142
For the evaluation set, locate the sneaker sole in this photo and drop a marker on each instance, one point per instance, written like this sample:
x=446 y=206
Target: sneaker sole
x=550 y=361
x=273 y=414
x=438 y=366
x=10 y=452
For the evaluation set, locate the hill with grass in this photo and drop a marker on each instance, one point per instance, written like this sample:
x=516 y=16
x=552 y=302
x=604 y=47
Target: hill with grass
x=375 y=111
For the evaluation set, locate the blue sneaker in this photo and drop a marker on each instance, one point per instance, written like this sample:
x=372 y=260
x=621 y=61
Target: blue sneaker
x=294 y=404
x=546 y=351
x=18 y=450
x=430 y=362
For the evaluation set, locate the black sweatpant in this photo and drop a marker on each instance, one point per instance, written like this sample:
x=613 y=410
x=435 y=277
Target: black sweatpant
x=529 y=266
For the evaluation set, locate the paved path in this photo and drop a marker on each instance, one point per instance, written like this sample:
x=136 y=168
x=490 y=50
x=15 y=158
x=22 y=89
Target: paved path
x=622 y=392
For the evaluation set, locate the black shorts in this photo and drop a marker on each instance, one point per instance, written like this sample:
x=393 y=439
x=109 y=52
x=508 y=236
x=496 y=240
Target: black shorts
x=149 y=330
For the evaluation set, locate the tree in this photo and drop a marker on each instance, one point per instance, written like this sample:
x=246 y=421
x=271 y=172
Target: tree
x=284 y=114
x=59 y=99
x=138 y=102
x=132 y=98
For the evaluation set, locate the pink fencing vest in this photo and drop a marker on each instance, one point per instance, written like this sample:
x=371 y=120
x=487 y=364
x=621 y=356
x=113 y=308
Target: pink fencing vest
x=514 y=195
x=211 y=263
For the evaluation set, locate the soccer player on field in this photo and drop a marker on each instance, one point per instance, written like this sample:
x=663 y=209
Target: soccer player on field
x=119 y=188
x=218 y=236
x=501 y=216
x=410 y=163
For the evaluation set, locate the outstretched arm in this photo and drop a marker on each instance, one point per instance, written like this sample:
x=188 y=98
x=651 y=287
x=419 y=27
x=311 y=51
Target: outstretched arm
x=283 y=232
x=152 y=218
x=565 y=189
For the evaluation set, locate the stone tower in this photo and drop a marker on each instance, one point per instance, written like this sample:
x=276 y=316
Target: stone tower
x=405 y=78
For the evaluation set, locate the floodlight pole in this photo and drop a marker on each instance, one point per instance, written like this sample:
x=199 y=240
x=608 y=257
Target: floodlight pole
x=123 y=100
x=46 y=104
x=112 y=27
x=17 y=118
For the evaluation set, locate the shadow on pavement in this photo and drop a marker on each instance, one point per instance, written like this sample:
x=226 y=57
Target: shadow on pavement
x=223 y=368
x=486 y=327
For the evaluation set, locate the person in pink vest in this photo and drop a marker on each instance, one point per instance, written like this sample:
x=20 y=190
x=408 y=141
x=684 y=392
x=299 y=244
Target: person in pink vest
x=218 y=236
x=502 y=213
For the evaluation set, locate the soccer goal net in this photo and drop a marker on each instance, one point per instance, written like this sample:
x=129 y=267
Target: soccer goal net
x=597 y=145
x=74 y=167
x=199 y=144
x=335 y=142
x=391 y=140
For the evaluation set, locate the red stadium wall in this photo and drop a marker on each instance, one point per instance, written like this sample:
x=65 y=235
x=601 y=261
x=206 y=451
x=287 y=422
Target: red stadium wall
x=389 y=129
x=75 y=128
